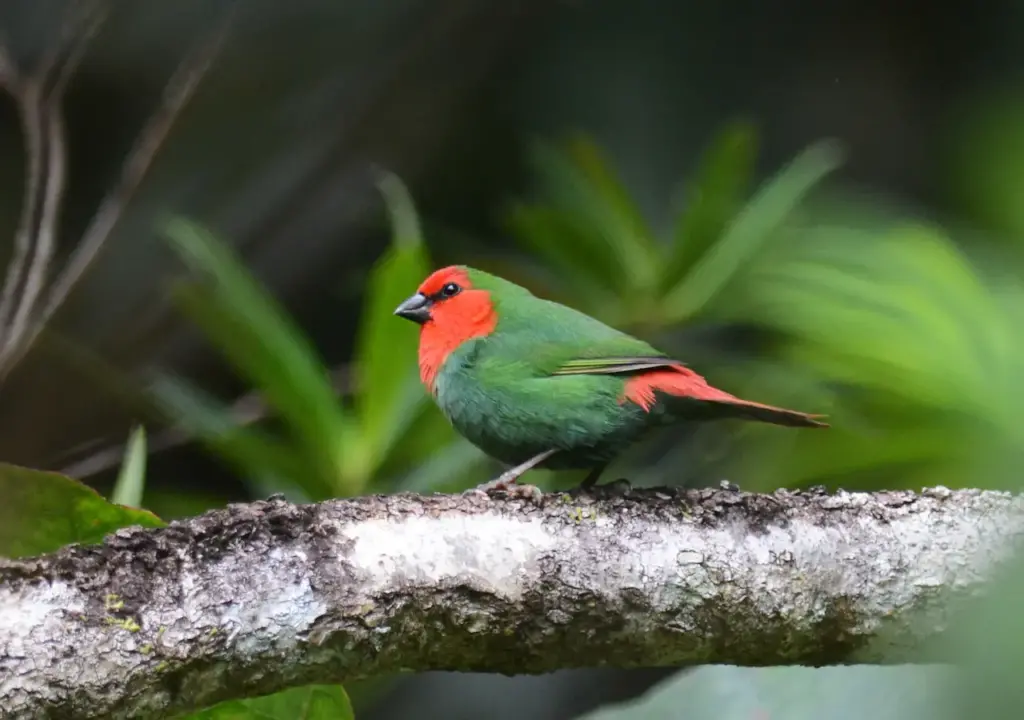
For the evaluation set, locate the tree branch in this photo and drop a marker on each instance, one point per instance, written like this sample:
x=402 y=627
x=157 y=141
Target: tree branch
x=254 y=598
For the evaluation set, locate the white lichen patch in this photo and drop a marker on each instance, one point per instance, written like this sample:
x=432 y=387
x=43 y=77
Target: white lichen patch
x=28 y=618
x=493 y=552
x=277 y=601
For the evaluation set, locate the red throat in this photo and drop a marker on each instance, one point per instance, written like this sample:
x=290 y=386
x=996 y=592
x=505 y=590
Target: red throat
x=453 y=321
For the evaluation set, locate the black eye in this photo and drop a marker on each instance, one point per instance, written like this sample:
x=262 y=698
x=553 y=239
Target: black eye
x=450 y=289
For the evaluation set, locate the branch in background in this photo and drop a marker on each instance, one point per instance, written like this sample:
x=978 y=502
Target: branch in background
x=46 y=126
x=254 y=598
x=27 y=324
x=38 y=97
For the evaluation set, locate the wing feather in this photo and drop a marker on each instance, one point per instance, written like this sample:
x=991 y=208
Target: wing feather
x=624 y=365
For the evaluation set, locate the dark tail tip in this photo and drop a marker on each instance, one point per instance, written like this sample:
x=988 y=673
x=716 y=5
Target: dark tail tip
x=777 y=416
x=792 y=418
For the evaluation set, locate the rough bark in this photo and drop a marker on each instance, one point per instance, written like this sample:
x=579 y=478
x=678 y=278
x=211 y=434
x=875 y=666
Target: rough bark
x=253 y=598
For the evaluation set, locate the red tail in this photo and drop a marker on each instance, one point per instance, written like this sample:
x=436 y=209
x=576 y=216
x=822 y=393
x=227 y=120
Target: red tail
x=682 y=382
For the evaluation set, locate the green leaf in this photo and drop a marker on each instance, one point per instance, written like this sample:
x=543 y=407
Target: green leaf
x=584 y=209
x=762 y=216
x=549 y=236
x=132 y=478
x=726 y=692
x=253 y=452
x=629 y=236
x=712 y=198
x=921 y=348
x=256 y=335
x=388 y=394
x=43 y=511
x=312 y=702
x=902 y=310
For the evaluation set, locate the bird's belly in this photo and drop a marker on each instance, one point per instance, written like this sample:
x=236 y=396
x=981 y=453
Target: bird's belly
x=588 y=430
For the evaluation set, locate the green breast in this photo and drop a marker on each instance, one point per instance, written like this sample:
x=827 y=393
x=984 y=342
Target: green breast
x=514 y=416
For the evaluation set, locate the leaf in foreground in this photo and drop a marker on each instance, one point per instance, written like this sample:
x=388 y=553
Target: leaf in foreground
x=43 y=511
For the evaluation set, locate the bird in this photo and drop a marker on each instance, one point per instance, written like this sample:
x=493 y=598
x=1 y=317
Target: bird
x=537 y=384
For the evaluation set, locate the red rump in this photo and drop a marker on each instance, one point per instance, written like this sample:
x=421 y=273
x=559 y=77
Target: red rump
x=677 y=380
x=683 y=382
x=453 y=321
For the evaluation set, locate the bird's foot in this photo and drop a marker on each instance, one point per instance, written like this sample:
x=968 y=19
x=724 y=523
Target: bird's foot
x=508 y=483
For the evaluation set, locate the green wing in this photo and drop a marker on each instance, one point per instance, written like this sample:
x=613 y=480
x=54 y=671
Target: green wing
x=552 y=339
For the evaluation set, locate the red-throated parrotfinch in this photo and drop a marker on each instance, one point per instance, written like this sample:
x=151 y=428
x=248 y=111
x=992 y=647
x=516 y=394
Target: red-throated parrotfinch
x=534 y=383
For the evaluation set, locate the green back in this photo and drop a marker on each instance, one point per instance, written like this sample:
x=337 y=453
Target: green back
x=547 y=334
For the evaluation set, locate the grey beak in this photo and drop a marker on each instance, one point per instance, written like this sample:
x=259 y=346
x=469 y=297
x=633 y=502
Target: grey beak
x=416 y=308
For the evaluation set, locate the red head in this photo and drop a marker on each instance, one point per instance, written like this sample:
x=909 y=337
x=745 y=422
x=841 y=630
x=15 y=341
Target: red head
x=450 y=311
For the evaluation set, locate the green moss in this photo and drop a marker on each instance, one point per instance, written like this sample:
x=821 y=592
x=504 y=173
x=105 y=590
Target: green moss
x=124 y=623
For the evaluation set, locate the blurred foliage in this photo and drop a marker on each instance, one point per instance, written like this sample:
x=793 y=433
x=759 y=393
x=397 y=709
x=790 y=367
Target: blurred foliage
x=603 y=257
x=255 y=335
x=911 y=347
x=131 y=480
x=329 y=446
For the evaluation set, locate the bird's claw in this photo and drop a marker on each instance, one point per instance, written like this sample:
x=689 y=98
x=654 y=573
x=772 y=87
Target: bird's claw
x=527 y=492
x=507 y=483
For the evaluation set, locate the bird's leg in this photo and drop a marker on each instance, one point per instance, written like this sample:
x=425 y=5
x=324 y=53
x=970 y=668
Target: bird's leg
x=507 y=481
x=592 y=477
